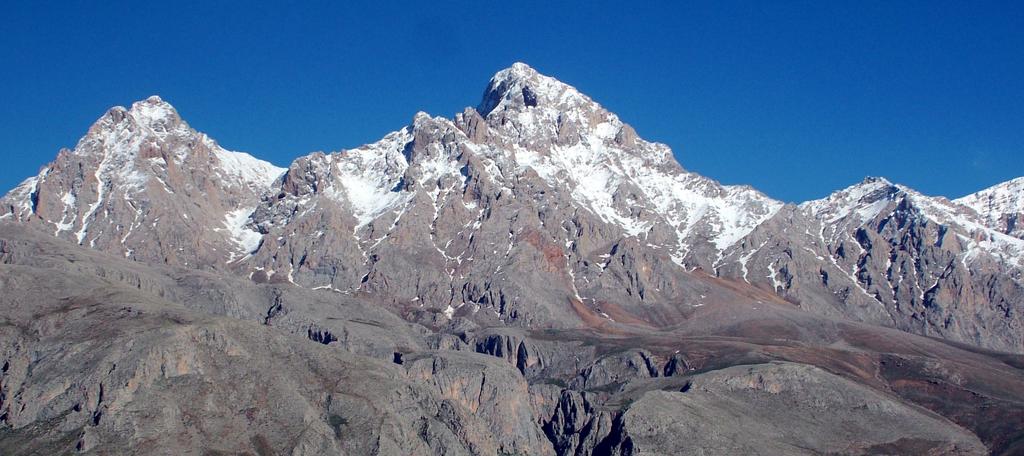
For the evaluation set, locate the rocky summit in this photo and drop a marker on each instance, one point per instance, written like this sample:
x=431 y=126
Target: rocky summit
x=526 y=277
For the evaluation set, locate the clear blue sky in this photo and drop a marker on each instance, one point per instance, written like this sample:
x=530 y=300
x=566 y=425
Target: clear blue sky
x=794 y=98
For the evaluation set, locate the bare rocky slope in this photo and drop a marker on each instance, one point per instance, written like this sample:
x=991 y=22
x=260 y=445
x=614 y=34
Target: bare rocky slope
x=527 y=277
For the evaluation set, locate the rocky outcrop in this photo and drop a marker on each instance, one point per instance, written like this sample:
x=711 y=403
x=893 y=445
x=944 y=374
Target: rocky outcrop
x=573 y=424
x=484 y=402
x=514 y=348
x=783 y=409
x=615 y=370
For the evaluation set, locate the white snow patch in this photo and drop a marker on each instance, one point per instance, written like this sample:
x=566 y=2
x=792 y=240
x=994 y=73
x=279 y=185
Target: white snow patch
x=246 y=239
x=368 y=177
x=69 y=201
x=256 y=173
x=595 y=171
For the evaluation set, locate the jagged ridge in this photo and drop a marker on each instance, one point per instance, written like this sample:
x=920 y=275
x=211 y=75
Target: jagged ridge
x=538 y=184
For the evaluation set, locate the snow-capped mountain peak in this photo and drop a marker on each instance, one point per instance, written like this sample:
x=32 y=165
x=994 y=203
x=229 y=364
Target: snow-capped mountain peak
x=865 y=199
x=150 y=117
x=520 y=87
x=533 y=109
x=141 y=170
x=572 y=141
x=155 y=113
x=136 y=144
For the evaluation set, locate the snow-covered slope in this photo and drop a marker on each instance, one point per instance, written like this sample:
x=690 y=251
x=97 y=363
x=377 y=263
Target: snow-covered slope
x=1001 y=206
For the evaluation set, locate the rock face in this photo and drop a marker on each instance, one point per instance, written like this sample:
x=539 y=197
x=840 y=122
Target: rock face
x=755 y=409
x=529 y=276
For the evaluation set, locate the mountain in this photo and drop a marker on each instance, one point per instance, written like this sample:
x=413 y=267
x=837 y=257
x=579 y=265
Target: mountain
x=531 y=265
x=539 y=207
x=143 y=184
x=885 y=254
